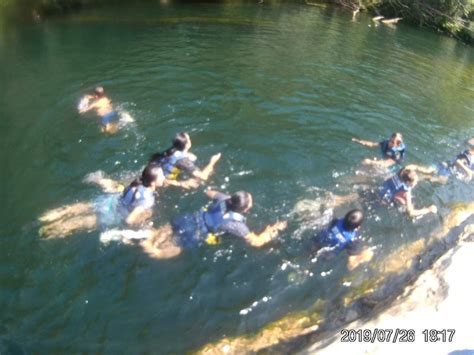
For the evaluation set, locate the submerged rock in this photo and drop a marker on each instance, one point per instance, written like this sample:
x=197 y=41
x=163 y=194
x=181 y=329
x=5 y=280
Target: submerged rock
x=440 y=299
x=289 y=327
x=409 y=290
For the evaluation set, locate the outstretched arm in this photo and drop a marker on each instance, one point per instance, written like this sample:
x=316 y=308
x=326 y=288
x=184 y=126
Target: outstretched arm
x=90 y=106
x=363 y=257
x=208 y=170
x=212 y=194
x=369 y=144
x=185 y=184
x=341 y=200
x=268 y=234
x=385 y=163
x=421 y=169
x=413 y=212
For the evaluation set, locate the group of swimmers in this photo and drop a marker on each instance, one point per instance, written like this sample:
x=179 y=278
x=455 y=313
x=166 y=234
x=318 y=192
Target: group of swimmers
x=225 y=214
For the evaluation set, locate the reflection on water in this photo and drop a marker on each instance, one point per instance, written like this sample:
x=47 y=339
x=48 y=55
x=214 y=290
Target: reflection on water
x=280 y=91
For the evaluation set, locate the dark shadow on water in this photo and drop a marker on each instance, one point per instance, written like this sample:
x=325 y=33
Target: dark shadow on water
x=366 y=307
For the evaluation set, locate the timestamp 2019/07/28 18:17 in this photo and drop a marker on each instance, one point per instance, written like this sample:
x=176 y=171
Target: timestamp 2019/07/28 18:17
x=395 y=335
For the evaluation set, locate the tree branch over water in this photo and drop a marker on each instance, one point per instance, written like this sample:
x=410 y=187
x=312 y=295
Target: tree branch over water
x=453 y=17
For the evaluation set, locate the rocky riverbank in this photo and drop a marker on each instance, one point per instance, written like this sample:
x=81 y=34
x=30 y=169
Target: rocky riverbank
x=453 y=18
x=422 y=285
x=440 y=299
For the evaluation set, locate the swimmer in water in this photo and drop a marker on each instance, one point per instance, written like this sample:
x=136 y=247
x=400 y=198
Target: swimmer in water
x=392 y=149
x=395 y=190
x=225 y=215
x=133 y=206
x=343 y=234
x=178 y=159
x=462 y=167
x=174 y=162
x=103 y=106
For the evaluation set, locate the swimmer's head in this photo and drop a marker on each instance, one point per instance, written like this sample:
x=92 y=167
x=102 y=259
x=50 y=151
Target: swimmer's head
x=152 y=176
x=240 y=201
x=353 y=220
x=396 y=140
x=470 y=143
x=409 y=177
x=99 y=91
x=182 y=141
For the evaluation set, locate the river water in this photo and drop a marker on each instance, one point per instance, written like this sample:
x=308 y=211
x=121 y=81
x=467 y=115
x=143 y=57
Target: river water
x=279 y=91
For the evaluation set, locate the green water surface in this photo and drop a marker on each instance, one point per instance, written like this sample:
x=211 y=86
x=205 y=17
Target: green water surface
x=279 y=91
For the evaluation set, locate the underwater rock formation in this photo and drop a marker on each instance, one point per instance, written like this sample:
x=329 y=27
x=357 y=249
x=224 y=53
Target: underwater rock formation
x=412 y=288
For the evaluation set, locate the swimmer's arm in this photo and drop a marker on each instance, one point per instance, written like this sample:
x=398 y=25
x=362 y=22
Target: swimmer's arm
x=462 y=165
x=363 y=257
x=91 y=106
x=421 y=169
x=212 y=194
x=208 y=170
x=87 y=108
x=413 y=212
x=369 y=144
x=138 y=215
x=268 y=234
x=103 y=102
x=185 y=184
x=382 y=163
x=387 y=162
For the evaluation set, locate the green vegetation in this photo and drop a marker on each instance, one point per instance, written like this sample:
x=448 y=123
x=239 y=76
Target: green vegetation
x=33 y=9
x=453 y=17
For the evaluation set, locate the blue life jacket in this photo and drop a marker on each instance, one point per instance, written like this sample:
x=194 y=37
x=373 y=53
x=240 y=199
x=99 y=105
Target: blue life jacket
x=135 y=196
x=395 y=153
x=337 y=237
x=216 y=215
x=391 y=187
x=168 y=164
x=445 y=169
x=468 y=157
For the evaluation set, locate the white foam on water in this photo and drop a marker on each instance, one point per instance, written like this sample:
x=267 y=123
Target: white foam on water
x=125 y=118
x=123 y=235
x=313 y=213
x=243 y=172
x=250 y=308
x=83 y=104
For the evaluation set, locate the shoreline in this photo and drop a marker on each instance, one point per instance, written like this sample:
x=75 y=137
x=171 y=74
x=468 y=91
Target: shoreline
x=442 y=21
x=394 y=298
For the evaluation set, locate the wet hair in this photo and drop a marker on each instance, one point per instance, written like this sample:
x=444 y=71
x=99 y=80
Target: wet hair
x=407 y=175
x=148 y=176
x=397 y=136
x=239 y=201
x=99 y=91
x=178 y=144
x=353 y=219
